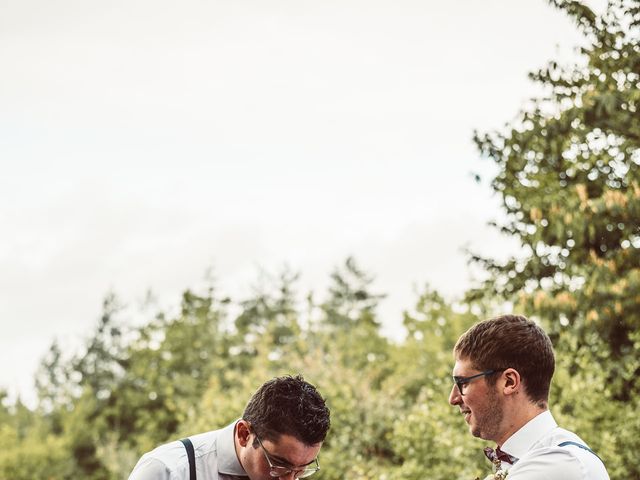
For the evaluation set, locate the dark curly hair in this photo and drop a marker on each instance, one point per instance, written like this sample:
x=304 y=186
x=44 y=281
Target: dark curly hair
x=288 y=405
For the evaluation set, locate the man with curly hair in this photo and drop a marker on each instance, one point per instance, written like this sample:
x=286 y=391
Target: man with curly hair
x=279 y=436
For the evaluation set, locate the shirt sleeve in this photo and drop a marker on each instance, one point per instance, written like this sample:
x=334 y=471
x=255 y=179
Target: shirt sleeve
x=150 y=469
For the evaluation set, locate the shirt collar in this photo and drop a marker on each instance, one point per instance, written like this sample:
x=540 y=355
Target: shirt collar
x=520 y=442
x=228 y=462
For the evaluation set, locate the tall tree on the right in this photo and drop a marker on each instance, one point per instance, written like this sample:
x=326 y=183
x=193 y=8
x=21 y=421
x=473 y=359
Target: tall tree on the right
x=569 y=180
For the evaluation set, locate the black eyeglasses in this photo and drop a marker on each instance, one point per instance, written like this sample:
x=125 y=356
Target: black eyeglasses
x=462 y=381
x=280 y=471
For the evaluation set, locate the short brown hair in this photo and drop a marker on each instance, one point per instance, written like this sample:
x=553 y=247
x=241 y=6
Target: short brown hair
x=511 y=341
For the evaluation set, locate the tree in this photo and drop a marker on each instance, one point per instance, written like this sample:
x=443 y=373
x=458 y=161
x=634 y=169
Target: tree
x=269 y=318
x=75 y=390
x=170 y=361
x=348 y=326
x=28 y=448
x=430 y=431
x=569 y=180
x=350 y=300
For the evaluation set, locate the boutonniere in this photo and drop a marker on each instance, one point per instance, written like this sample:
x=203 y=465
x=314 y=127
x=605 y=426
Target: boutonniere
x=498 y=472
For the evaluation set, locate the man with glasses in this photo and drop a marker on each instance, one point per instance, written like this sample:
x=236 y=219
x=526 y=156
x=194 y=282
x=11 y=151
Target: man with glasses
x=279 y=436
x=502 y=374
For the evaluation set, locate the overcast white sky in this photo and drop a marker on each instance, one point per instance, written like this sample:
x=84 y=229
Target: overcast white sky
x=142 y=142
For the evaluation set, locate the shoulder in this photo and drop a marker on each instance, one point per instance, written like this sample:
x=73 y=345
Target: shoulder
x=551 y=461
x=150 y=468
x=170 y=461
x=548 y=464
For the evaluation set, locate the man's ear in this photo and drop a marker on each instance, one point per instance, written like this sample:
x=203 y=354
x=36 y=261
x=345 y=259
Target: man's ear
x=243 y=431
x=511 y=381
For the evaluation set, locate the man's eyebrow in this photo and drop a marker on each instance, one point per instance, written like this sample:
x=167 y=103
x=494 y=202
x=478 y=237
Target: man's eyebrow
x=287 y=463
x=281 y=459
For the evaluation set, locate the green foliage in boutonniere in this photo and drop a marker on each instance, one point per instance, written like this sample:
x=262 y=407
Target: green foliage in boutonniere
x=498 y=472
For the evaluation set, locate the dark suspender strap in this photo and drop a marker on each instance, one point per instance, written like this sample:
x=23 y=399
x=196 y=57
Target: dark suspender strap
x=192 y=457
x=584 y=447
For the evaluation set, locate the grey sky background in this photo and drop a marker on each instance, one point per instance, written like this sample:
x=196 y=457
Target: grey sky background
x=142 y=143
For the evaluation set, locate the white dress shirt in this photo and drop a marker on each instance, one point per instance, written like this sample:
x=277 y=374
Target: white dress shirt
x=215 y=455
x=535 y=446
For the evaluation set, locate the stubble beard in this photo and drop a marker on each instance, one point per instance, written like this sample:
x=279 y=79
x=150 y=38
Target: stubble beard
x=489 y=419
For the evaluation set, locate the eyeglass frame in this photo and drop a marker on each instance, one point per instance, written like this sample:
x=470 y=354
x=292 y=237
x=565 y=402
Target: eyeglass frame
x=272 y=467
x=461 y=381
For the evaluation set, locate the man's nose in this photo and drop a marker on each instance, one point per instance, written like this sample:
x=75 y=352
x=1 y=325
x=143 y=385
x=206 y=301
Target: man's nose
x=454 y=397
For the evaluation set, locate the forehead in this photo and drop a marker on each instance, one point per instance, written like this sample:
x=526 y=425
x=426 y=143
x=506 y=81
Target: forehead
x=463 y=368
x=291 y=451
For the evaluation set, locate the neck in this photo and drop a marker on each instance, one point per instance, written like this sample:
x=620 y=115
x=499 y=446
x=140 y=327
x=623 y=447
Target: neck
x=517 y=417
